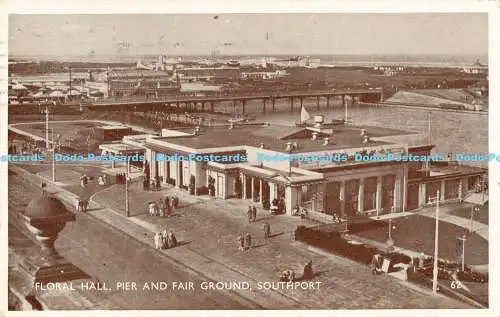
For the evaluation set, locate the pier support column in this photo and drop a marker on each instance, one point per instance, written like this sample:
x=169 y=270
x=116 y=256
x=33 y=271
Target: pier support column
x=243 y=103
x=264 y=105
x=203 y=106
x=317 y=102
x=291 y=103
x=327 y=101
x=274 y=104
x=211 y=106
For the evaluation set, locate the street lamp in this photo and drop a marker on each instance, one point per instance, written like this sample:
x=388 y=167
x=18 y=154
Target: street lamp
x=462 y=240
x=53 y=150
x=474 y=209
x=127 y=202
x=436 y=240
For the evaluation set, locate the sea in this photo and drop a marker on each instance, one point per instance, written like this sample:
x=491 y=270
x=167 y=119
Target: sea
x=453 y=132
x=420 y=60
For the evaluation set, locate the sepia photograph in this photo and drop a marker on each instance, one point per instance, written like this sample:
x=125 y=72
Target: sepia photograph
x=248 y=161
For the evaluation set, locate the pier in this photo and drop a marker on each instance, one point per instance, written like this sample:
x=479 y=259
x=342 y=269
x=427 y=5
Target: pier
x=207 y=103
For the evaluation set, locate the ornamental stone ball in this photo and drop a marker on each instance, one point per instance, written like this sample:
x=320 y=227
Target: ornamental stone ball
x=45 y=217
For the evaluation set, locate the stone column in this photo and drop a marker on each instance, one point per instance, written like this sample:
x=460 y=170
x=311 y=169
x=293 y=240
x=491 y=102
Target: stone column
x=290 y=199
x=260 y=190
x=443 y=190
x=253 y=188
x=152 y=164
x=342 y=197
x=404 y=184
x=378 y=202
x=264 y=105
x=244 y=185
x=272 y=192
x=460 y=190
x=179 y=182
x=397 y=193
x=361 y=195
x=422 y=195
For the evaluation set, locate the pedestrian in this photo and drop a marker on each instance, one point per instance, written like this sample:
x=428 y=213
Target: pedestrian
x=267 y=230
x=85 y=205
x=170 y=208
x=241 y=242
x=254 y=213
x=172 y=240
x=77 y=205
x=158 y=240
x=176 y=201
x=248 y=241
x=162 y=208
x=308 y=271
x=250 y=213
x=375 y=264
x=164 y=239
x=167 y=201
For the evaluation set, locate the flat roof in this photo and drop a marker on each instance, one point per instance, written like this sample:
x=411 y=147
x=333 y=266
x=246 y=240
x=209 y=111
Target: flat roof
x=344 y=137
x=114 y=127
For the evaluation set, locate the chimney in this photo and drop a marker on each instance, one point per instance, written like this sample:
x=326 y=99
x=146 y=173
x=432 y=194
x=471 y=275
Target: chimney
x=326 y=141
x=314 y=135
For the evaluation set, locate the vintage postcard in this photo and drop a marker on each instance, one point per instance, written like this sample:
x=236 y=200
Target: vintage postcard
x=248 y=161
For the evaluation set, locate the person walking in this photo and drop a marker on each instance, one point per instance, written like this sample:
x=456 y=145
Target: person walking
x=172 y=240
x=248 y=241
x=158 y=240
x=241 y=242
x=250 y=213
x=164 y=239
x=267 y=230
x=254 y=213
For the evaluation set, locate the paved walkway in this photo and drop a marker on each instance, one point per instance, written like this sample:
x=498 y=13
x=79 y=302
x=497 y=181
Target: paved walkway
x=480 y=228
x=207 y=232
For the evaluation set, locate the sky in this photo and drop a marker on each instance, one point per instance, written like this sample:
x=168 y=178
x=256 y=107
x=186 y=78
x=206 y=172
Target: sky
x=240 y=34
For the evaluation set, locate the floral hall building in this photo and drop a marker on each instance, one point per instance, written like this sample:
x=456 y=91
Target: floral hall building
x=338 y=181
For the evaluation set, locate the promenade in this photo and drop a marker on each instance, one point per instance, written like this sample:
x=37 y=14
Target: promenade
x=207 y=231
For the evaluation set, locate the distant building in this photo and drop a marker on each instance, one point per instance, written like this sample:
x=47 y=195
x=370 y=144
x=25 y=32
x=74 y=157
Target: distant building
x=264 y=75
x=476 y=69
x=390 y=70
x=145 y=83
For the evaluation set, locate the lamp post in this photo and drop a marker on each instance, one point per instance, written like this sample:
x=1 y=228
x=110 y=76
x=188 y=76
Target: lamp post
x=462 y=240
x=473 y=209
x=53 y=157
x=127 y=203
x=47 y=146
x=436 y=243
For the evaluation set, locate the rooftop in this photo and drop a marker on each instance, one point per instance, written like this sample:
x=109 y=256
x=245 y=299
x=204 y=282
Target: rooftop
x=114 y=127
x=275 y=137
